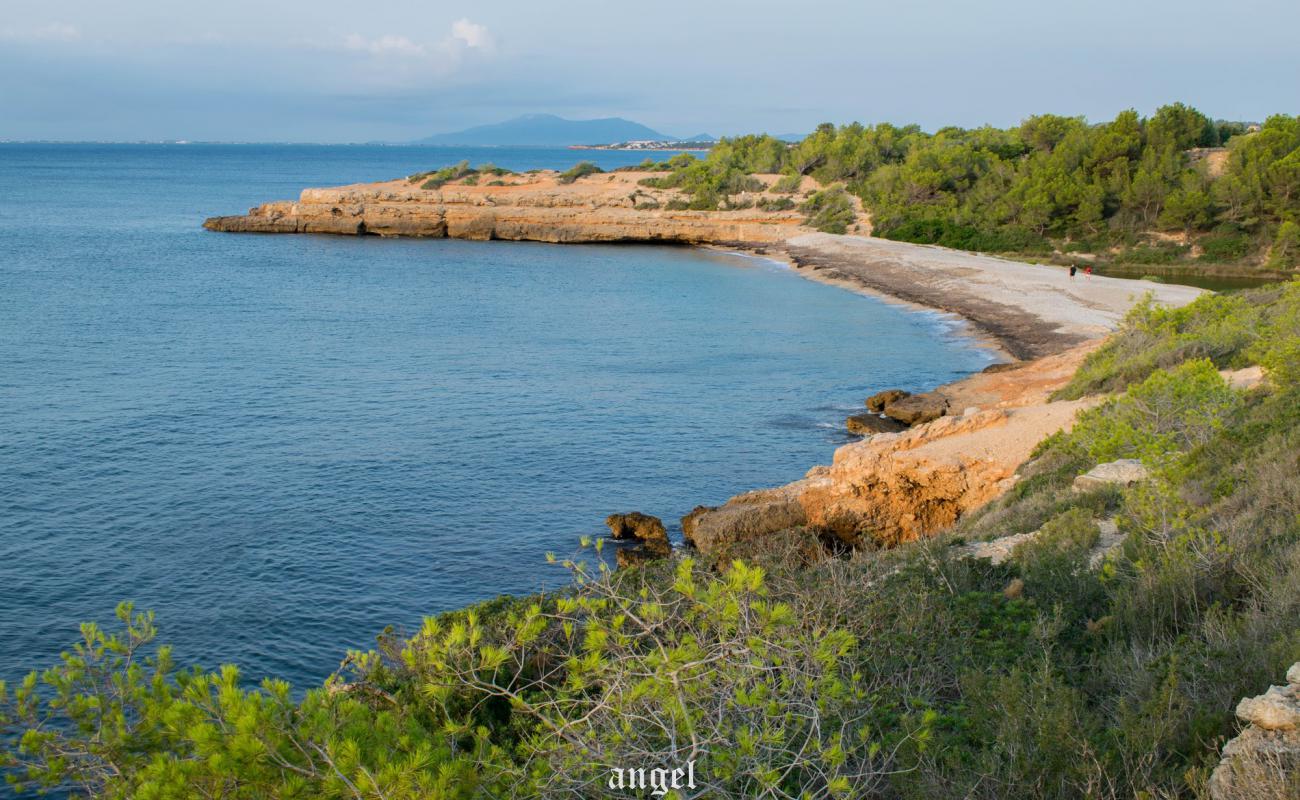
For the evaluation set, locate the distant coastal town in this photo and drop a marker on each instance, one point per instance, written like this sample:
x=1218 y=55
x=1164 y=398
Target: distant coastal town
x=694 y=144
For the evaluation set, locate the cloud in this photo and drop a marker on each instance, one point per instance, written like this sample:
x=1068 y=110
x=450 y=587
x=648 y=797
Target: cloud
x=54 y=32
x=472 y=34
x=465 y=36
x=385 y=46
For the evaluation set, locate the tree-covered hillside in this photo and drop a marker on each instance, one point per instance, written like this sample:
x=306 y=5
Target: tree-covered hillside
x=1176 y=187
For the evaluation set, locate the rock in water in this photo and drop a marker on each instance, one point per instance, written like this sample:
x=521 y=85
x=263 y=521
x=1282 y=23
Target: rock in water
x=635 y=525
x=917 y=408
x=643 y=528
x=879 y=400
x=867 y=424
x=1124 y=472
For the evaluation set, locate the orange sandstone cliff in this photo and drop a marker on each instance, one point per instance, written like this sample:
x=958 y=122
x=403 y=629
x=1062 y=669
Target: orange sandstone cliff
x=896 y=487
x=606 y=207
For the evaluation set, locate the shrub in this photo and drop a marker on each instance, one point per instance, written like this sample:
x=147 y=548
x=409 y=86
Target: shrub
x=787 y=184
x=1226 y=247
x=1171 y=411
x=649 y=165
x=579 y=170
x=1285 y=252
x=776 y=204
x=118 y=719
x=964 y=237
x=1151 y=254
x=1277 y=347
x=439 y=178
x=1218 y=327
x=736 y=682
x=829 y=210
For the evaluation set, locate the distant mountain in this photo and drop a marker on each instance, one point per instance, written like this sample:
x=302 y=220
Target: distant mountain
x=548 y=130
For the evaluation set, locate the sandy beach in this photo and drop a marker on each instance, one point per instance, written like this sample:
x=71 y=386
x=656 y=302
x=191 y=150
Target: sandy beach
x=1030 y=310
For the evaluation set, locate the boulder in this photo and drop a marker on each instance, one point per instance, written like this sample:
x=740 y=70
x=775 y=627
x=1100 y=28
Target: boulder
x=879 y=400
x=1001 y=366
x=1124 y=472
x=917 y=408
x=1278 y=709
x=719 y=530
x=867 y=424
x=688 y=522
x=1264 y=760
x=635 y=526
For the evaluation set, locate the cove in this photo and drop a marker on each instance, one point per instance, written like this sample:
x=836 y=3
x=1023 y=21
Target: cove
x=284 y=444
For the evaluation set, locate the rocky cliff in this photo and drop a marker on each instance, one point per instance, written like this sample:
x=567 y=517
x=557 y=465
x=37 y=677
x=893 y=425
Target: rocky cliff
x=606 y=207
x=895 y=487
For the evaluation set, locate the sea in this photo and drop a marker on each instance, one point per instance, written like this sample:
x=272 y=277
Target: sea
x=283 y=445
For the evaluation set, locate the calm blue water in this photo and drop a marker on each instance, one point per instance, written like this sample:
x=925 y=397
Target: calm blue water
x=284 y=443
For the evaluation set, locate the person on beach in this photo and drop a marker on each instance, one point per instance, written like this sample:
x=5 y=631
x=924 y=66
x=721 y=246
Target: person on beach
x=1087 y=271
x=1073 y=269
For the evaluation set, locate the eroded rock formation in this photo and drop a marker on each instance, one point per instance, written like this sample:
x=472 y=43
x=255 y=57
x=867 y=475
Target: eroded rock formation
x=609 y=207
x=895 y=487
x=1263 y=762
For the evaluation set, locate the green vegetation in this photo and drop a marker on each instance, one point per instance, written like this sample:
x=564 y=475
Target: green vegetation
x=787 y=184
x=456 y=172
x=908 y=673
x=579 y=170
x=830 y=210
x=775 y=204
x=1052 y=183
x=710 y=183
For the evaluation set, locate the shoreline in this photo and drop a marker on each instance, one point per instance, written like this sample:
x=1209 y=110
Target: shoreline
x=1024 y=311
x=966 y=328
x=958 y=454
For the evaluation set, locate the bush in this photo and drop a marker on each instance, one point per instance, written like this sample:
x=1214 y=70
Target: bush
x=649 y=165
x=829 y=210
x=1151 y=254
x=579 y=170
x=118 y=719
x=1285 y=252
x=1169 y=412
x=964 y=237
x=439 y=178
x=787 y=184
x=776 y=204
x=1218 y=327
x=1226 y=247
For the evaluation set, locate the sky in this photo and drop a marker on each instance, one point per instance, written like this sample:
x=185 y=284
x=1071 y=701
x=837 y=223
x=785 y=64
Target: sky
x=394 y=70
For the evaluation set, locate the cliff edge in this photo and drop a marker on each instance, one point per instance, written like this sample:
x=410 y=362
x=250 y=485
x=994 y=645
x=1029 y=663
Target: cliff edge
x=604 y=207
